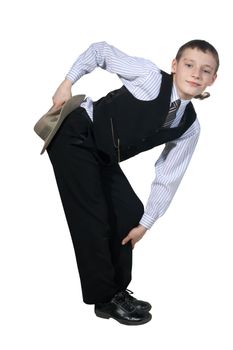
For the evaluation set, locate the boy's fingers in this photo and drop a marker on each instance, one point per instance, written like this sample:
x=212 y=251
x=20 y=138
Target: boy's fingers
x=126 y=240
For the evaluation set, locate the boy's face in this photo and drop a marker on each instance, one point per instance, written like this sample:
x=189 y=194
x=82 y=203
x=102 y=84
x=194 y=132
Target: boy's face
x=194 y=71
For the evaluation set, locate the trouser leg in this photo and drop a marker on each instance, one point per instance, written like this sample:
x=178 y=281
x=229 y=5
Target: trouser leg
x=92 y=195
x=79 y=182
x=126 y=211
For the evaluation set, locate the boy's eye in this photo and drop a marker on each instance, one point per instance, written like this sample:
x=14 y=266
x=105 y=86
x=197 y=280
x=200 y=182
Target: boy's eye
x=206 y=71
x=189 y=65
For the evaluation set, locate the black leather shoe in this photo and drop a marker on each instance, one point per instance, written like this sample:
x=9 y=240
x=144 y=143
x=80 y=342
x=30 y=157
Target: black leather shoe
x=139 y=304
x=122 y=310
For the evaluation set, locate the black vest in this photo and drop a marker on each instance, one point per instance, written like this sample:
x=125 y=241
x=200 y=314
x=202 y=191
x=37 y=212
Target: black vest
x=124 y=126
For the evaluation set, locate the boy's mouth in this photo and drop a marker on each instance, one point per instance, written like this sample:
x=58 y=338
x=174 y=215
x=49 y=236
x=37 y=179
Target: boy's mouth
x=193 y=83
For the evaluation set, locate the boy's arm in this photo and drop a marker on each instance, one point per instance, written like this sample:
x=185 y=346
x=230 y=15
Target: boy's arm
x=131 y=70
x=111 y=59
x=170 y=169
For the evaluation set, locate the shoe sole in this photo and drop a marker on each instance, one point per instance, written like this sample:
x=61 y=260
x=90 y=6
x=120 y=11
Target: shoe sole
x=125 y=322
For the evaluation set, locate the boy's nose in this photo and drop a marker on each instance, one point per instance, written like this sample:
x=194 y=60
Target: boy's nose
x=196 y=73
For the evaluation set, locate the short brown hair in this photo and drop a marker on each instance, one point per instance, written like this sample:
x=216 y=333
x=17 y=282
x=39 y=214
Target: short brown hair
x=201 y=45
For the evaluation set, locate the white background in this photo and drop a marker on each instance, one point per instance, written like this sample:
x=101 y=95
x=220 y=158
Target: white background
x=183 y=266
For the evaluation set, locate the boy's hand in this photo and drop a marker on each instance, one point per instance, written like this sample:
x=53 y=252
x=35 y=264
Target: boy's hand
x=135 y=235
x=62 y=94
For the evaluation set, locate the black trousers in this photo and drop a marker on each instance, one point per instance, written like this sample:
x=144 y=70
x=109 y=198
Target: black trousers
x=100 y=207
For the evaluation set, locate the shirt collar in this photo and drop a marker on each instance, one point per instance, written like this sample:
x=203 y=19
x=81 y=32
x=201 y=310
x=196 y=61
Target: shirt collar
x=175 y=96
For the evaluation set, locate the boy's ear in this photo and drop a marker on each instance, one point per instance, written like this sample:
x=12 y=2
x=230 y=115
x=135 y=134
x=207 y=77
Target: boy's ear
x=174 y=65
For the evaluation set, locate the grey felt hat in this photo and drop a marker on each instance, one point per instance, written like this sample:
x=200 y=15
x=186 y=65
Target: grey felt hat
x=48 y=125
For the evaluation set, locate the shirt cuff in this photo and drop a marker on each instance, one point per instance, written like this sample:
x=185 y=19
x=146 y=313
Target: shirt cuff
x=73 y=77
x=147 y=221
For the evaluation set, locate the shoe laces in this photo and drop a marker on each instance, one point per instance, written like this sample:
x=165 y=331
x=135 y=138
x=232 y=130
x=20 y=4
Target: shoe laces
x=128 y=295
x=124 y=299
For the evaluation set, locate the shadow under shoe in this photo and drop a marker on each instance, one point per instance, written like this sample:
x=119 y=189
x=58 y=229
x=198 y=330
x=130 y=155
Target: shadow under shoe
x=122 y=310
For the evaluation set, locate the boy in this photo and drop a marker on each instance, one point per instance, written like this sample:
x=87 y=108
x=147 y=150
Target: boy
x=105 y=217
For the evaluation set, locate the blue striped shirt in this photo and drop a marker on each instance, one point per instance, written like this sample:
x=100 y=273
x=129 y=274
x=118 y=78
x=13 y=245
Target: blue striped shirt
x=143 y=79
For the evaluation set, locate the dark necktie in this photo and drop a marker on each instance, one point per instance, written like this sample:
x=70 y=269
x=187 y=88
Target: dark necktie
x=172 y=113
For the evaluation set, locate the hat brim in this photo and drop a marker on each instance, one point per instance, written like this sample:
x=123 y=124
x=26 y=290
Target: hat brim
x=60 y=115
